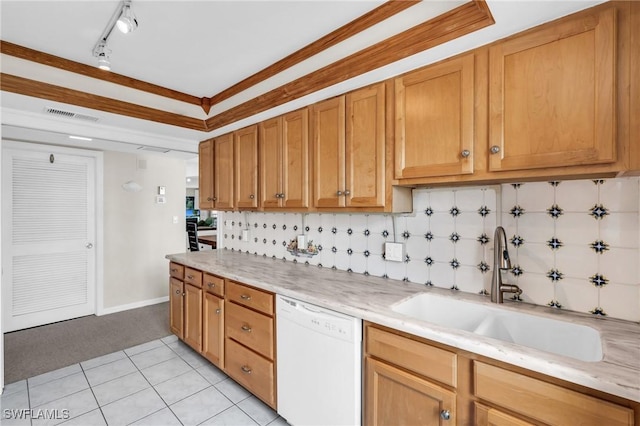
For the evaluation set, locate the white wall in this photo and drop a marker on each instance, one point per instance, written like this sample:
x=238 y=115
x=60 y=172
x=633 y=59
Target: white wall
x=138 y=232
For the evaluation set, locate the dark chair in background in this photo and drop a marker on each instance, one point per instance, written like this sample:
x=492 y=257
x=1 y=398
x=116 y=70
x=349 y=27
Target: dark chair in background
x=192 y=234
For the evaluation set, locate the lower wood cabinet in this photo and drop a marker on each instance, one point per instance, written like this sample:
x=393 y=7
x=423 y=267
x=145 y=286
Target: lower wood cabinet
x=229 y=323
x=193 y=316
x=176 y=312
x=407 y=382
x=250 y=340
x=410 y=380
x=213 y=329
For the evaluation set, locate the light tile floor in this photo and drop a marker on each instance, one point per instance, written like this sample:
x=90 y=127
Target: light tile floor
x=163 y=382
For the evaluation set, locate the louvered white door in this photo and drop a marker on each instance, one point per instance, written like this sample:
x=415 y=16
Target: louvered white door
x=49 y=230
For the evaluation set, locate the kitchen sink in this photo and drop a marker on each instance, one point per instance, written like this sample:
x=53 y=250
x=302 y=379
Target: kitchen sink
x=558 y=337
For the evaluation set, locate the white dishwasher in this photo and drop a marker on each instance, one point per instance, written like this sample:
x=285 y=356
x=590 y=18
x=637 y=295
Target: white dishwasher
x=319 y=357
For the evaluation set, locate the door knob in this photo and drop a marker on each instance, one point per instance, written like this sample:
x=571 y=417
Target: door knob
x=89 y=245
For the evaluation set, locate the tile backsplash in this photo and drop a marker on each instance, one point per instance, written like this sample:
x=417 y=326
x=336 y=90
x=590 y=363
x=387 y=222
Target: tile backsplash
x=574 y=244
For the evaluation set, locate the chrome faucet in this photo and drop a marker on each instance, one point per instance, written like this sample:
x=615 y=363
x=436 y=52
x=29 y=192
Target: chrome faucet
x=501 y=262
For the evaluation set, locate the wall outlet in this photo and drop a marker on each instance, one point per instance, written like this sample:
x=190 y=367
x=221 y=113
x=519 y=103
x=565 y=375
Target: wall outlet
x=245 y=235
x=394 y=252
x=302 y=242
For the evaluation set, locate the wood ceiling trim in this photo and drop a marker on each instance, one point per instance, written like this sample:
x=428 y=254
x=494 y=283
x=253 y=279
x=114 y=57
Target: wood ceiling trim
x=377 y=15
x=38 y=89
x=94 y=72
x=460 y=21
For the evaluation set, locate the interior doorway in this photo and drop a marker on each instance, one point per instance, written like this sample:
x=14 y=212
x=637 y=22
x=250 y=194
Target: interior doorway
x=49 y=233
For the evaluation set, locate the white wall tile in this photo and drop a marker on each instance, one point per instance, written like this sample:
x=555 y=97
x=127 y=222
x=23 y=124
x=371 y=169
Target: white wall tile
x=621 y=301
x=575 y=228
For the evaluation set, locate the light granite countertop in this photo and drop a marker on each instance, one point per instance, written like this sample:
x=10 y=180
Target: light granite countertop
x=371 y=299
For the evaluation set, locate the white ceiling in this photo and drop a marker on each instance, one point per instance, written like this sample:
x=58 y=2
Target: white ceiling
x=204 y=47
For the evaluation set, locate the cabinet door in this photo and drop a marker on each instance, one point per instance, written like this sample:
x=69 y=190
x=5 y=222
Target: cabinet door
x=246 y=168
x=223 y=172
x=193 y=316
x=396 y=397
x=552 y=96
x=295 y=159
x=205 y=176
x=271 y=163
x=176 y=314
x=365 y=147
x=213 y=329
x=328 y=153
x=435 y=120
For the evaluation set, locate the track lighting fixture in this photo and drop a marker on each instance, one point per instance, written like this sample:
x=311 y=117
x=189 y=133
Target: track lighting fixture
x=126 y=22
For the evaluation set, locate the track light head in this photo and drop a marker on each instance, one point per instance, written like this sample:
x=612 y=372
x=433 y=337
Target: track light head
x=127 y=21
x=102 y=53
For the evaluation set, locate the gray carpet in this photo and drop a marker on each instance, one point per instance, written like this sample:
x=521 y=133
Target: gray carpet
x=38 y=350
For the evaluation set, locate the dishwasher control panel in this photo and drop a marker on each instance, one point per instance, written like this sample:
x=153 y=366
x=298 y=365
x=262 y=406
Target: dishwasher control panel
x=318 y=319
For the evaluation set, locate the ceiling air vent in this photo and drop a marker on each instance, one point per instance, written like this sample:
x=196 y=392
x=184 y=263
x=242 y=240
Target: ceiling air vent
x=69 y=114
x=154 y=149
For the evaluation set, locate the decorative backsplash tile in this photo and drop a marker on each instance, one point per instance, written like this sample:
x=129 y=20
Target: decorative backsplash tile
x=574 y=244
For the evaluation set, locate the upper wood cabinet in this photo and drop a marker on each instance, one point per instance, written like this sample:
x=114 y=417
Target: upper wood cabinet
x=223 y=172
x=552 y=95
x=435 y=120
x=349 y=147
x=328 y=153
x=284 y=161
x=246 y=168
x=205 y=175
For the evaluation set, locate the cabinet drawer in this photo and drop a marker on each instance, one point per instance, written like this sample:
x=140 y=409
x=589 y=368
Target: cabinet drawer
x=428 y=361
x=213 y=284
x=193 y=277
x=251 y=370
x=250 y=297
x=250 y=328
x=544 y=402
x=176 y=270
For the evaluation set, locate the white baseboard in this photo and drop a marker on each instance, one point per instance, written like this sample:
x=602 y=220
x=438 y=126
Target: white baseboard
x=142 y=303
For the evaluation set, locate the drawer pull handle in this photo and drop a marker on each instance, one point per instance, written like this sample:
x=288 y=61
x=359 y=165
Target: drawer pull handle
x=190 y=277
x=245 y=369
x=245 y=297
x=218 y=311
x=211 y=285
x=445 y=414
x=174 y=270
x=246 y=328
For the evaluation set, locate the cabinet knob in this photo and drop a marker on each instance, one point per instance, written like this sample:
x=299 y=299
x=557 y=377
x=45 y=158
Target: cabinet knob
x=495 y=149
x=282 y=195
x=177 y=291
x=190 y=277
x=215 y=198
x=209 y=199
x=251 y=197
x=339 y=193
x=277 y=195
x=245 y=369
x=210 y=285
x=184 y=294
x=445 y=414
x=465 y=153
x=246 y=328
x=346 y=192
x=218 y=311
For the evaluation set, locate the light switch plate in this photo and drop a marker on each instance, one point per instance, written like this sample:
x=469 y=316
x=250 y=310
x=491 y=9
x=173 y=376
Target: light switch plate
x=394 y=252
x=245 y=235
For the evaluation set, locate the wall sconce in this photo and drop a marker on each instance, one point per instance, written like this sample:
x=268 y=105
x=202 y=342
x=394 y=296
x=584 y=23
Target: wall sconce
x=131 y=186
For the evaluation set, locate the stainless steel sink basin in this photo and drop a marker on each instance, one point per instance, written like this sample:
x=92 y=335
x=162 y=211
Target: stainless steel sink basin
x=558 y=337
